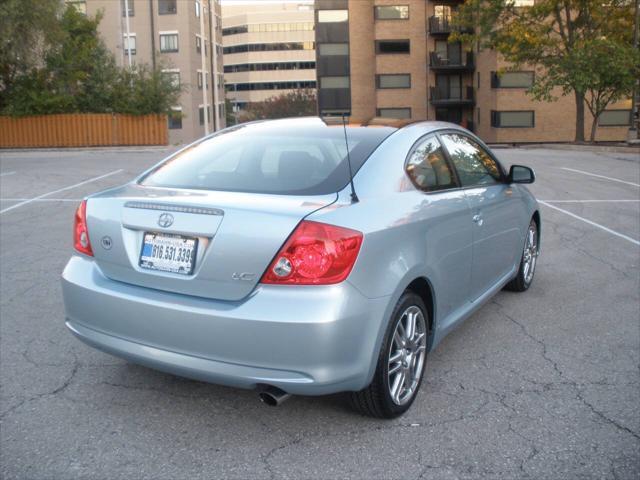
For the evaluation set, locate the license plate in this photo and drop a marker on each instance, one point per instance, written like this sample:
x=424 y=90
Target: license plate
x=168 y=253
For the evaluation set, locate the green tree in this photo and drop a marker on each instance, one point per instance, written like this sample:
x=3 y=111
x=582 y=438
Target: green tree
x=555 y=37
x=79 y=74
x=297 y=103
x=27 y=29
x=607 y=71
x=142 y=90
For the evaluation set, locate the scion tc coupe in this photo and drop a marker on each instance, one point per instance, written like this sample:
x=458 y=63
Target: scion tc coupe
x=302 y=257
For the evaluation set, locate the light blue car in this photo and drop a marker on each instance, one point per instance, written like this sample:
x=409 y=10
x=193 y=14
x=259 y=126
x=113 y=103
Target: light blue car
x=302 y=257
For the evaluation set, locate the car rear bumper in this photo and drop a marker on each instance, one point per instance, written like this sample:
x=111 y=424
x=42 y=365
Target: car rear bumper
x=304 y=340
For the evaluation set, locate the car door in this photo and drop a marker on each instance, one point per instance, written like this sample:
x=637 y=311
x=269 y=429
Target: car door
x=444 y=225
x=496 y=234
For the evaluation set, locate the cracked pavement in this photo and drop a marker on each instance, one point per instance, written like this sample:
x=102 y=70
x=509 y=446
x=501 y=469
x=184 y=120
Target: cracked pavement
x=544 y=384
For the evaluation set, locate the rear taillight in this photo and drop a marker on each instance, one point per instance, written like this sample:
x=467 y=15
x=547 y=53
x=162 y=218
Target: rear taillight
x=315 y=254
x=80 y=231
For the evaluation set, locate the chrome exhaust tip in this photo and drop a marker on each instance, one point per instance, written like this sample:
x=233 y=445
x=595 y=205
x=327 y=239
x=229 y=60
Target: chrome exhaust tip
x=273 y=396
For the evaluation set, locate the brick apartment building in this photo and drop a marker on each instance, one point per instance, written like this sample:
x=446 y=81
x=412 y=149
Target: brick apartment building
x=268 y=49
x=168 y=33
x=391 y=58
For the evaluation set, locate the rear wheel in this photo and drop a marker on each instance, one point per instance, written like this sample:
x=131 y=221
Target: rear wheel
x=523 y=279
x=400 y=364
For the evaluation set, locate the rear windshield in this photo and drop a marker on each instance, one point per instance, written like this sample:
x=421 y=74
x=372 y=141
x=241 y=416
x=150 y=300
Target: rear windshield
x=303 y=157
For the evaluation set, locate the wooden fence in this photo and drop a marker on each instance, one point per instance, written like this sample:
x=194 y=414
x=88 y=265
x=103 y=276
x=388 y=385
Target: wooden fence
x=83 y=130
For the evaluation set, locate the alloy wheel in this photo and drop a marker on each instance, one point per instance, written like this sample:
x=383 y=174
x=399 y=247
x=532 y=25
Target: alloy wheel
x=407 y=355
x=530 y=255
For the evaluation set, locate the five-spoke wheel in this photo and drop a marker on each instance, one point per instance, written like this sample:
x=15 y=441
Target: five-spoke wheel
x=406 y=355
x=401 y=362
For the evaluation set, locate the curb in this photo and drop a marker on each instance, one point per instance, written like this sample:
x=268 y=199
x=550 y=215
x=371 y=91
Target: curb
x=581 y=148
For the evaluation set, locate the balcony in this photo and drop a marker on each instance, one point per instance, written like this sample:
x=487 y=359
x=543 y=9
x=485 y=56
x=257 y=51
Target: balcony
x=454 y=63
x=442 y=26
x=452 y=97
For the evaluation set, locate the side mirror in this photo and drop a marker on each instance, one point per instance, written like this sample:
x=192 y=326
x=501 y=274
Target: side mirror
x=521 y=174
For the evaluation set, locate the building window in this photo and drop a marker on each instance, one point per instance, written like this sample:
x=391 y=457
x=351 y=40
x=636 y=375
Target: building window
x=197 y=6
x=175 y=118
x=173 y=76
x=201 y=114
x=206 y=79
x=392 y=12
x=168 y=42
x=392 y=46
x=131 y=9
x=167 y=7
x=79 y=5
x=198 y=43
x=334 y=82
x=333 y=49
x=393 y=112
x=400 y=80
x=515 y=119
x=442 y=12
x=245 y=87
x=512 y=80
x=333 y=16
x=615 y=118
x=129 y=43
x=258 y=67
x=269 y=27
x=268 y=47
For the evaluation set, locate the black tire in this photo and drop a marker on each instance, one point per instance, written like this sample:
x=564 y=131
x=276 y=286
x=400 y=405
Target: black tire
x=375 y=400
x=520 y=282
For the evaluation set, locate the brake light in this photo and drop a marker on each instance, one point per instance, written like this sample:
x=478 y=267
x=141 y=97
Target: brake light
x=315 y=254
x=80 y=231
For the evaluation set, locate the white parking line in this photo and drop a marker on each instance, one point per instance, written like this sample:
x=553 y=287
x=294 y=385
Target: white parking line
x=7 y=174
x=589 y=201
x=25 y=202
x=602 y=227
x=41 y=199
x=600 y=176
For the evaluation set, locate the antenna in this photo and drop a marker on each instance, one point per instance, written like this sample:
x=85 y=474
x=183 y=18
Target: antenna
x=354 y=197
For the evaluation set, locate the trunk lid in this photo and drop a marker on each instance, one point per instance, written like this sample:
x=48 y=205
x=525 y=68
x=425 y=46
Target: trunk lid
x=238 y=234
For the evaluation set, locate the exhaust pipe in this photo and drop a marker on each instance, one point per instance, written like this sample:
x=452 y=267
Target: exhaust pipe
x=273 y=396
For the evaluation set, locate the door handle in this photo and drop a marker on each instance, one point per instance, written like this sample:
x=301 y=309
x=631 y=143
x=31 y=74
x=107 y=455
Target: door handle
x=477 y=219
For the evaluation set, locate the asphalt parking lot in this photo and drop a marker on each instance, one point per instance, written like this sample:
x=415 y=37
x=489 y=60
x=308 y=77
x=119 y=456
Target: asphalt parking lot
x=544 y=384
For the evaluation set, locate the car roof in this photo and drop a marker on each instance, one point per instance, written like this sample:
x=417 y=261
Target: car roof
x=352 y=122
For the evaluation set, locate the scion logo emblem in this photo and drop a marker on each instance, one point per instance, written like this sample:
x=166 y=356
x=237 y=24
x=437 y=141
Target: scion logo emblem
x=165 y=220
x=106 y=243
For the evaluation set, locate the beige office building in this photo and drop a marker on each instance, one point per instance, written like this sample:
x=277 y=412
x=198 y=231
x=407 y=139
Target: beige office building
x=268 y=49
x=171 y=34
x=391 y=58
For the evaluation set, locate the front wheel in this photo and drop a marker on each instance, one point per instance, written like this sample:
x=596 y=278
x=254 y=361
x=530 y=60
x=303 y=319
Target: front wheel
x=523 y=279
x=400 y=364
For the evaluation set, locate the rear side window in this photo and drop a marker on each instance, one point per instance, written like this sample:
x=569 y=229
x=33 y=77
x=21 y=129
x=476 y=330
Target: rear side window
x=473 y=164
x=271 y=157
x=428 y=168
